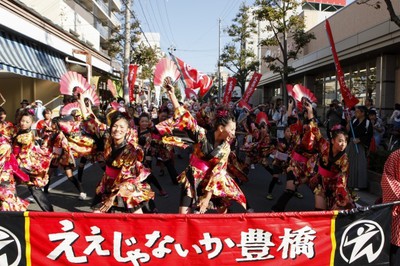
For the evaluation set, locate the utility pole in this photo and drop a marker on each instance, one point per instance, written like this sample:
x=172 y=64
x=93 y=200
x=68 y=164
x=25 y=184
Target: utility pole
x=219 y=61
x=127 y=48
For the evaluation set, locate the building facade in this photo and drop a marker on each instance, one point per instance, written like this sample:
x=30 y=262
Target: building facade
x=367 y=43
x=41 y=40
x=313 y=13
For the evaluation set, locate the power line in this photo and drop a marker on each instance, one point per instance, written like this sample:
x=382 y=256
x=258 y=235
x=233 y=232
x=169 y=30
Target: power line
x=144 y=15
x=163 y=24
x=169 y=22
x=204 y=33
x=155 y=18
x=228 y=10
x=196 y=51
x=141 y=29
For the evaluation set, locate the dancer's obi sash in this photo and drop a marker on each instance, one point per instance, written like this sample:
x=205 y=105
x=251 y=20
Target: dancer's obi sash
x=298 y=157
x=326 y=173
x=203 y=166
x=112 y=172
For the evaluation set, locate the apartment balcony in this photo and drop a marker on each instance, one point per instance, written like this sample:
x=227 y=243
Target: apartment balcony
x=116 y=5
x=115 y=20
x=103 y=30
x=102 y=6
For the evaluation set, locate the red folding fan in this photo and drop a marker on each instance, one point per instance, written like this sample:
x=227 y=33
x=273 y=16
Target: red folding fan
x=71 y=80
x=68 y=108
x=165 y=68
x=111 y=87
x=262 y=117
x=91 y=95
x=300 y=91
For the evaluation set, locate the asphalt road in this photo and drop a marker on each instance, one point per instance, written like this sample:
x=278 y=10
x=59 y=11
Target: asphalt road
x=64 y=196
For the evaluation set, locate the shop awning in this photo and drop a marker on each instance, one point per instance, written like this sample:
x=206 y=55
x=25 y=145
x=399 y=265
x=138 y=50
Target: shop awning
x=27 y=58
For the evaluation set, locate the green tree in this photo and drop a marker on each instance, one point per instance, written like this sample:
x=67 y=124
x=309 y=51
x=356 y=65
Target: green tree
x=116 y=42
x=236 y=57
x=146 y=57
x=285 y=32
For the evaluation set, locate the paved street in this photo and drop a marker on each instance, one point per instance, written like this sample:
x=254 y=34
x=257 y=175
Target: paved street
x=64 y=196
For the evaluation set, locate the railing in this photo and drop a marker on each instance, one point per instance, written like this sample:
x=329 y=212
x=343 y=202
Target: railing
x=102 y=29
x=115 y=20
x=103 y=6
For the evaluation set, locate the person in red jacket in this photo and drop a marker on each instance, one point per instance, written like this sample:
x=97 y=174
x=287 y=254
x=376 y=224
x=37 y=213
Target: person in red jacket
x=391 y=192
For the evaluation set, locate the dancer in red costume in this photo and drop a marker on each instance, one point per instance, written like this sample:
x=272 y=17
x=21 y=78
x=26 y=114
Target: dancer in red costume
x=206 y=184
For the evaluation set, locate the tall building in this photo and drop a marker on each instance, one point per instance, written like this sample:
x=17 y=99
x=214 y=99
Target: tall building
x=41 y=40
x=367 y=44
x=313 y=12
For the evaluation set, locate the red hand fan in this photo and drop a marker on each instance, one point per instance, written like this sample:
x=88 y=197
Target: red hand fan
x=91 y=95
x=165 y=68
x=300 y=91
x=67 y=109
x=71 y=80
x=111 y=87
x=262 y=117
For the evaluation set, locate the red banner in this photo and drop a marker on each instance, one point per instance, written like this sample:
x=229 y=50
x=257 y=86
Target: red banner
x=250 y=90
x=193 y=78
x=190 y=74
x=230 y=86
x=292 y=238
x=131 y=81
x=349 y=99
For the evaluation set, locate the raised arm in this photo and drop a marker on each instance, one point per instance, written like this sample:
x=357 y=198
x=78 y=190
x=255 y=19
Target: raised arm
x=290 y=107
x=171 y=92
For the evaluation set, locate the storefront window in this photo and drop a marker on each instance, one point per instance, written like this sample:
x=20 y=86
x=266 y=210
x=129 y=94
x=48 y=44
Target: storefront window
x=357 y=83
x=330 y=89
x=363 y=81
x=319 y=89
x=371 y=80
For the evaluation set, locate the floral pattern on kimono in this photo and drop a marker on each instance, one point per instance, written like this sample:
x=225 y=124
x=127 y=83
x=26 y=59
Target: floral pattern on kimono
x=197 y=180
x=44 y=129
x=81 y=145
x=258 y=147
x=303 y=146
x=62 y=154
x=237 y=168
x=9 y=201
x=391 y=192
x=162 y=151
x=128 y=185
x=99 y=133
x=334 y=188
x=145 y=142
x=7 y=129
x=32 y=159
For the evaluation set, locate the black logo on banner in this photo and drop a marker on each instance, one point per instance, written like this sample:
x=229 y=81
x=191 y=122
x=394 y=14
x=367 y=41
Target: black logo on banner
x=10 y=248
x=362 y=239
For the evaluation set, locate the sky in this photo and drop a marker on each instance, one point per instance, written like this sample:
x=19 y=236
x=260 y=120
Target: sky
x=191 y=26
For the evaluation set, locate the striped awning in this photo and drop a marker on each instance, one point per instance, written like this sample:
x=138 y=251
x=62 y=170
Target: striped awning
x=27 y=58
